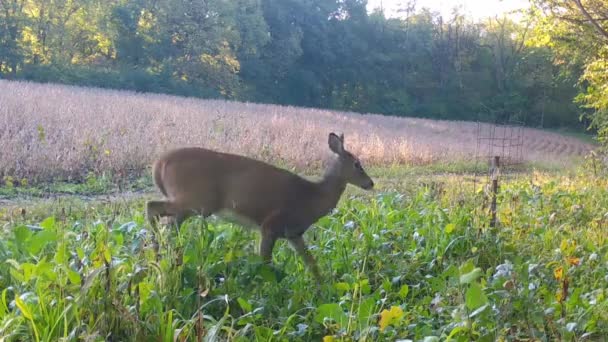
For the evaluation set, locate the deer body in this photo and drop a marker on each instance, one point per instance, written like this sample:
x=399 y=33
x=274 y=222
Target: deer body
x=279 y=203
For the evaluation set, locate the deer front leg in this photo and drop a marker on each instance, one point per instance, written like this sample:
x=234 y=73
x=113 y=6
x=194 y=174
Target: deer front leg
x=266 y=246
x=300 y=246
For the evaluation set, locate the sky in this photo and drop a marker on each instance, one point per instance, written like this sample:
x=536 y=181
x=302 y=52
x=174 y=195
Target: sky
x=478 y=9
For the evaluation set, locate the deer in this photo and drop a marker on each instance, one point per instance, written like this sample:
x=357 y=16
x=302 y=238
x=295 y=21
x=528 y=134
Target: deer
x=278 y=203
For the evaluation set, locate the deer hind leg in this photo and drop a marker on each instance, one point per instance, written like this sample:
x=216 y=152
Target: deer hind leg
x=300 y=246
x=269 y=237
x=183 y=215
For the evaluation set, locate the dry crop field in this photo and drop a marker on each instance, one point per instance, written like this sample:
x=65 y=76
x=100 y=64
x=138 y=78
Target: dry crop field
x=60 y=132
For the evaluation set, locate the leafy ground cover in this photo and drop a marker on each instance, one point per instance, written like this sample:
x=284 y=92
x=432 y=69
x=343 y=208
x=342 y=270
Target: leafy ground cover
x=414 y=264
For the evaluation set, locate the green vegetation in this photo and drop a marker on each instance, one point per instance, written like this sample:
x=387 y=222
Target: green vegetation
x=92 y=185
x=313 y=53
x=108 y=184
x=412 y=263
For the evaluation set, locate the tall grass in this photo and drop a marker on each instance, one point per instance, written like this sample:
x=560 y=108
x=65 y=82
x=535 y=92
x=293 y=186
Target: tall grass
x=52 y=131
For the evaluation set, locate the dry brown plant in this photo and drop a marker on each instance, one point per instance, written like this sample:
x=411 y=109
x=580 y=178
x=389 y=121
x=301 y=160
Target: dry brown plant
x=50 y=132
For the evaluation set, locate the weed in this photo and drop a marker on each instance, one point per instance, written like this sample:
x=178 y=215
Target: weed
x=412 y=265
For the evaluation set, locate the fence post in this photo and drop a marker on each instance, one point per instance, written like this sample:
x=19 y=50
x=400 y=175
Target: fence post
x=495 y=170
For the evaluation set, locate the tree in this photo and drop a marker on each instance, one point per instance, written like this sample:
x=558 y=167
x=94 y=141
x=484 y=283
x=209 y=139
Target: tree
x=12 y=23
x=318 y=53
x=577 y=31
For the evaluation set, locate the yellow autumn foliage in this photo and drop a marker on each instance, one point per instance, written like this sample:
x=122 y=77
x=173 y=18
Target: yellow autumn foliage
x=389 y=317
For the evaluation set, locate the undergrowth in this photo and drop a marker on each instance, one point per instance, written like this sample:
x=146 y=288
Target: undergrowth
x=108 y=183
x=409 y=265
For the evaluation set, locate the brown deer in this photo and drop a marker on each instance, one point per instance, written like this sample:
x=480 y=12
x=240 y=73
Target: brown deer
x=278 y=203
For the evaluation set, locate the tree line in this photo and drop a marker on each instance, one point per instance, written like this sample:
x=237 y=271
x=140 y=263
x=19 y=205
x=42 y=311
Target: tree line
x=315 y=53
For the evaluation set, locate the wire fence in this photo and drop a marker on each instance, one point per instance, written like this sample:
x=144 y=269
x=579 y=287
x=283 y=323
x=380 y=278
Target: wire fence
x=498 y=158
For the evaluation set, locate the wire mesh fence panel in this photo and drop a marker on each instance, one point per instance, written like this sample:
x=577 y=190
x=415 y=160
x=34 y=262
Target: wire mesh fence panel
x=498 y=159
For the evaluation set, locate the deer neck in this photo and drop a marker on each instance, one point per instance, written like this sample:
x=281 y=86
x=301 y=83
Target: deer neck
x=331 y=186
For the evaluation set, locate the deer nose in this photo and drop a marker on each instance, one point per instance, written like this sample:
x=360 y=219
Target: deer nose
x=369 y=185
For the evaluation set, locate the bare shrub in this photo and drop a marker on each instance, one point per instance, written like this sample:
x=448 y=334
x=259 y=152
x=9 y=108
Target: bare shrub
x=54 y=131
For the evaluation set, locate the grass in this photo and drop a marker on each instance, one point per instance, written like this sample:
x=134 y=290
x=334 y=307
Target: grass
x=419 y=263
x=53 y=133
x=581 y=135
x=92 y=185
x=107 y=184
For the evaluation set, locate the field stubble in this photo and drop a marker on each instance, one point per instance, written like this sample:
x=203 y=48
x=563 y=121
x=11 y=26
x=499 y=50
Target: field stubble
x=56 y=132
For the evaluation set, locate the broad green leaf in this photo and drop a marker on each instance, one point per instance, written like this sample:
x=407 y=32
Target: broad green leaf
x=29 y=271
x=467 y=278
x=450 y=272
x=457 y=330
x=364 y=286
x=22 y=234
x=119 y=239
x=449 y=228
x=563 y=246
x=467 y=267
x=228 y=257
x=39 y=240
x=17 y=275
x=3 y=301
x=332 y=311
x=404 y=291
x=48 y=223
x=74 y=277
x=366 y=311
x=46 y=269
x=267 y=273
x=475 y=297
x=107 y=256
x=80 y=253
x=342 y=286
x=244 y=304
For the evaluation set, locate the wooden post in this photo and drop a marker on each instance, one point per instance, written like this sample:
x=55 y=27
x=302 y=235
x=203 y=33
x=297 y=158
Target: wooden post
x=495 y=171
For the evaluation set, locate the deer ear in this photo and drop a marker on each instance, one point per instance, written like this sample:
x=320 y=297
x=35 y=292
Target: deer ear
x=336 y=143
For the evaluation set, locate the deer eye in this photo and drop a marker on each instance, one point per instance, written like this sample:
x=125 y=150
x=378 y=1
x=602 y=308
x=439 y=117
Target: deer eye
x=358 y=166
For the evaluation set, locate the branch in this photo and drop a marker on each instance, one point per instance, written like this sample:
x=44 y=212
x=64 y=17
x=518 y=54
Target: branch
x=599 y=28
x=523 y=39
x=579 y=21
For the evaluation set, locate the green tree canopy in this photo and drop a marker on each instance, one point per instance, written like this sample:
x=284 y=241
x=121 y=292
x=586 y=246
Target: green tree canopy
x=318 y=53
